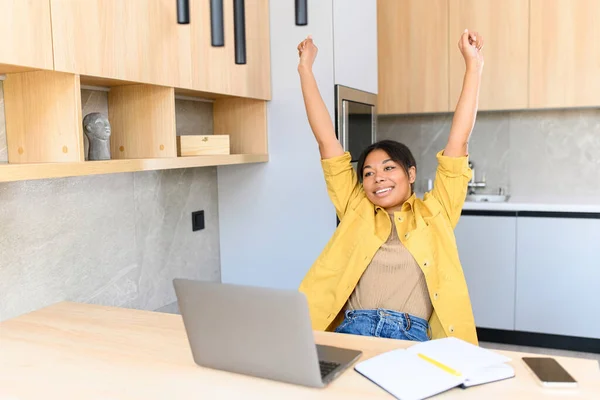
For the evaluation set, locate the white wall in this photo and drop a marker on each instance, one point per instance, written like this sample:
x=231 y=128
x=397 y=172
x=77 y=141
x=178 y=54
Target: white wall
x=355 y=43
x=275 y=218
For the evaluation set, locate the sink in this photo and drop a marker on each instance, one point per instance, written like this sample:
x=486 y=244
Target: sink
x=491 y=198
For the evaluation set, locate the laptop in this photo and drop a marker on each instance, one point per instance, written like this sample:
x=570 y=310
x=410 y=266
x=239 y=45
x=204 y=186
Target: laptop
x=262 y=332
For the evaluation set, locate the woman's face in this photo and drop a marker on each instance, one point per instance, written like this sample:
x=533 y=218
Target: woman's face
x=385 y=182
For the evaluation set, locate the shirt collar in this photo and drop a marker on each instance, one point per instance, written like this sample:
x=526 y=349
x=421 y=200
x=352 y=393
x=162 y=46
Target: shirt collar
x=408 y=205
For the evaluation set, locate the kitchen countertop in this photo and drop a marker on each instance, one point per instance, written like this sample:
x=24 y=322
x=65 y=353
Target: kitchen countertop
x=562 y=205
x=536 y=204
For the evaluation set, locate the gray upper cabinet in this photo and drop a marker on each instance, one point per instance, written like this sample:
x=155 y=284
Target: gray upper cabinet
x=355 y=44
x=487 y=249
x=558 y=275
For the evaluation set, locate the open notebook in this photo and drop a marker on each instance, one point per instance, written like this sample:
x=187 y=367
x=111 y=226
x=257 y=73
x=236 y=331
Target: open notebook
x=432 y=367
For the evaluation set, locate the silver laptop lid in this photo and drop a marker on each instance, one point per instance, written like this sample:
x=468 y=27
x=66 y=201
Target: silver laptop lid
x=254 y=331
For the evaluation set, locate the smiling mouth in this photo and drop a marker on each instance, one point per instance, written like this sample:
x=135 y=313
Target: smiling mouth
x=383 y=192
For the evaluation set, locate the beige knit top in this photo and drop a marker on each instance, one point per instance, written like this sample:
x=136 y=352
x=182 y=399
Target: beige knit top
x=393 y=280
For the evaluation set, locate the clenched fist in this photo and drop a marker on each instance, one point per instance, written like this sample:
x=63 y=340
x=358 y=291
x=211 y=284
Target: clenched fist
x=471 y=45
x=307 y=51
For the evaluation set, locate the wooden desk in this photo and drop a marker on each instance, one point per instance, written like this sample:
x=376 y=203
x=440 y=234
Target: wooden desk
x=77 y=351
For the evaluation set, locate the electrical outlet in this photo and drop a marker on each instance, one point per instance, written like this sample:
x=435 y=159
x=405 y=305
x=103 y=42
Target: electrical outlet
x=197 y=220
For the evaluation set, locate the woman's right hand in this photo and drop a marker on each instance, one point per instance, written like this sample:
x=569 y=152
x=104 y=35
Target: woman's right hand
x=316 y=110
x=307 y=51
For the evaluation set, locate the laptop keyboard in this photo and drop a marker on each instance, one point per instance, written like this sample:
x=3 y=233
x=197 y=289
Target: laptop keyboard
x=327 y=367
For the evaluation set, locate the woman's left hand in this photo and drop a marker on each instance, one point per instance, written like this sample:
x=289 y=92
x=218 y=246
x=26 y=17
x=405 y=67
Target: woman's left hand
x=471 y=45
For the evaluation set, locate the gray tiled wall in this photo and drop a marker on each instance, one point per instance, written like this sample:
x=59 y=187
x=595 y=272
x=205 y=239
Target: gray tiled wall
x=550 y=155
x=115 y=239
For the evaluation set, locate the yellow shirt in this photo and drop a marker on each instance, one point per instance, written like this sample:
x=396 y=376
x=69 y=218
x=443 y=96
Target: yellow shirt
x=425 y=227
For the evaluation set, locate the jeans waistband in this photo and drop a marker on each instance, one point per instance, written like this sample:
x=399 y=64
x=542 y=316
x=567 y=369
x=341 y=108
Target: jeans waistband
x=391 y=314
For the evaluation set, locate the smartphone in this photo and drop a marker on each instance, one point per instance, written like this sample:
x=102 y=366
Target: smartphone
x=549 y=372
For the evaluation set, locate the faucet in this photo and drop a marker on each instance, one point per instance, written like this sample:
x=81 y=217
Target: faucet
x=474 y=184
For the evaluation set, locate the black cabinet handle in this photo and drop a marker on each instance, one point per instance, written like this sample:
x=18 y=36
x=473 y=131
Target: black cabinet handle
x=301 y=12
x=183 y=11
x=239 y=31
x=217 y=35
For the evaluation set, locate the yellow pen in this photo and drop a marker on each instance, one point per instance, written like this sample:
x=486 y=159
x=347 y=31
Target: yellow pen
x=439 y=364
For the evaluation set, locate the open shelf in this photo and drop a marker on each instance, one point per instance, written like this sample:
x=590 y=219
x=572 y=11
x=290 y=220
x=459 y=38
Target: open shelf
x=43 y=117
x=45 y=138
x=31 y=171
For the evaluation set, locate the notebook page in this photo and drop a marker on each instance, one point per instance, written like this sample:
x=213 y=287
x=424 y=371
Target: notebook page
x=457 y=354
x=406 y=376
x=489 y=374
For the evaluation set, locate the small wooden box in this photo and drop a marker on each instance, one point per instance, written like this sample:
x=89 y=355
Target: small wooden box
x=196 y=145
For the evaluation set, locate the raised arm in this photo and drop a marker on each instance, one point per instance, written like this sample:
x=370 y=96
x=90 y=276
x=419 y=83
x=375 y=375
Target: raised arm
x=470 y=45
x=341 y=179
x=318 y=116
x=453 y=174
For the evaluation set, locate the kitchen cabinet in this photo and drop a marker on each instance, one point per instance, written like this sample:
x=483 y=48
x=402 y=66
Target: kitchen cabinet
x=138 y=50
x=132 y=40
x=539 y=54
x=412 y=37
x=564 y=57
x=487 y=250
x=26 y=35
x=140 y=41
x=214 y=69
x=558 y=276
x=251 y=193
x=505 y=28
x=355 y=50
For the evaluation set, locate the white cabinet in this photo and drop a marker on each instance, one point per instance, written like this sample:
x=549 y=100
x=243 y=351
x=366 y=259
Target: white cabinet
x=355 y=43
x=537 y=274
x=486 y=246
x=258 y=247
x=558 y=276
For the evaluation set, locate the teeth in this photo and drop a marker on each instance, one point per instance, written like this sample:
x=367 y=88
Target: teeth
x=383 y=190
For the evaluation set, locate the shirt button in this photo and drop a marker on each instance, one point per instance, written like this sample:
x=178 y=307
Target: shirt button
x=406 y=235
x=451 y=329
x=435 y=296
x=400 y=219
x=426 y=263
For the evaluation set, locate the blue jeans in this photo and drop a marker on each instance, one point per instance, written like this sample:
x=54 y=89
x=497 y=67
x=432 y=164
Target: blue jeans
x=386 y=324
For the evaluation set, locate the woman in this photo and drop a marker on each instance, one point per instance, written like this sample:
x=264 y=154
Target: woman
x=391 y=268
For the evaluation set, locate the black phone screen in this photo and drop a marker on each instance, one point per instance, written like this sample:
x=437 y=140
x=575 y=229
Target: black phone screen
x=548 y=369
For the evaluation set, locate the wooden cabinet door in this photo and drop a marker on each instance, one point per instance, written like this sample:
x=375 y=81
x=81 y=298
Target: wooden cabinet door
x=25 y=35
x=504 y=26
x=132 y=40
x=214 y=68
x=140 y=41
x=412 y=56
x=564 y=54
